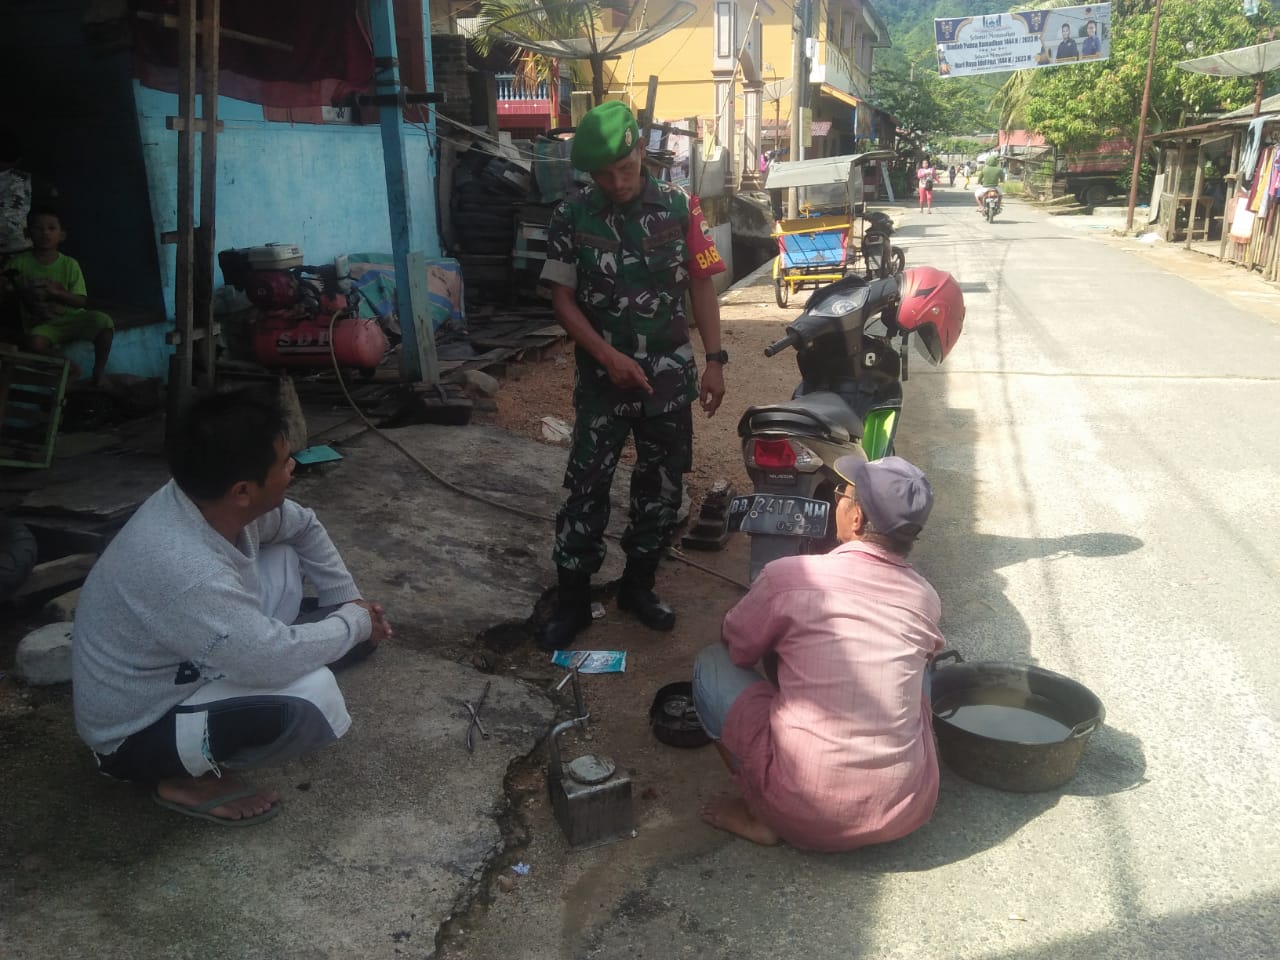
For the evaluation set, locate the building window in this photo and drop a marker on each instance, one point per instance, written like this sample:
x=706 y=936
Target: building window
x=724 y=31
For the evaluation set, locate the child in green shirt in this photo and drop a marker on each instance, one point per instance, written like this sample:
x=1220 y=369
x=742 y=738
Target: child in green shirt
x=53 y=296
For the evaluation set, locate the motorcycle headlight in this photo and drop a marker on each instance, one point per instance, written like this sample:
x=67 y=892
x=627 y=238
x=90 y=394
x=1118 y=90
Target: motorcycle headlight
x=838 y=307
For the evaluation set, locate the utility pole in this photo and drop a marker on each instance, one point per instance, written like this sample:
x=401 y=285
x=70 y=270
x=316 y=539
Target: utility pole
x=1142 y=121
x=799 y=27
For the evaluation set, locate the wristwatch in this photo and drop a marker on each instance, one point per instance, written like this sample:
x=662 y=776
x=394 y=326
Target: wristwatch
x=720 y=356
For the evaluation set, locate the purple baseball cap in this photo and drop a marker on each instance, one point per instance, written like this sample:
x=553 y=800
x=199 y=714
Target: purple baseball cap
x=895 y=494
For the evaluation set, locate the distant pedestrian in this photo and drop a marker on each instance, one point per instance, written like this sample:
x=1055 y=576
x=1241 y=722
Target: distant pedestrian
x=951 y=176
x=925 y=177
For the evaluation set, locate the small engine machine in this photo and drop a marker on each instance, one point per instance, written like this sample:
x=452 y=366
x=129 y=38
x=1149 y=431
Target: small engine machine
x=297 y=307
x=590 y=796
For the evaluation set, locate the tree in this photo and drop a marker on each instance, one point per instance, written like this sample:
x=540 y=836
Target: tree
x=1077 y=106
x=928 y=107
x=539 y=22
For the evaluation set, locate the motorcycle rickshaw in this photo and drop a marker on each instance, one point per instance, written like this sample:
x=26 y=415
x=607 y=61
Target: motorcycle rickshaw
x=830 y=237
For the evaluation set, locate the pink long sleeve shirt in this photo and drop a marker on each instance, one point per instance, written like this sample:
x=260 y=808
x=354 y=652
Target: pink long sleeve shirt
x=840 y=754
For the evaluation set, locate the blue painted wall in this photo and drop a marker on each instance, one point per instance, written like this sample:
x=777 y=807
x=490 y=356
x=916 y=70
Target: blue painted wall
x=100 y=138
x=321 y=186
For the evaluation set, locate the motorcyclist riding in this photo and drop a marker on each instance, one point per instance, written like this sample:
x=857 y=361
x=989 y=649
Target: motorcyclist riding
x=991 y=176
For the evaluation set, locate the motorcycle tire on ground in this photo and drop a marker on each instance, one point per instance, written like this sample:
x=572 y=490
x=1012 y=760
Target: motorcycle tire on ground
x=991 y=213
x=898 y=260
x=17 y=556
x=765 y=548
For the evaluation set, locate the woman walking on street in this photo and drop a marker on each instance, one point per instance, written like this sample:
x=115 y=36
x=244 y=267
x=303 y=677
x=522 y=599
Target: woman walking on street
x=925 y=177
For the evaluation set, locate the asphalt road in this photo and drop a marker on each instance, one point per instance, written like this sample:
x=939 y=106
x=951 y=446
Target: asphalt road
x=1104 y=443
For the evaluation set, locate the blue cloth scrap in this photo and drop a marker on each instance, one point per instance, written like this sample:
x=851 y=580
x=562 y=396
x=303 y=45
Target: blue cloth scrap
x=318 y=454
x=597 y=661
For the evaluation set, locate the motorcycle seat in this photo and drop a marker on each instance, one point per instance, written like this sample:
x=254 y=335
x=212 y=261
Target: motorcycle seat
x=818 y=413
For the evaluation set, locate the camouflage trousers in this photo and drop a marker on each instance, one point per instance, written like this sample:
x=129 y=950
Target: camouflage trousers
x=664 y=453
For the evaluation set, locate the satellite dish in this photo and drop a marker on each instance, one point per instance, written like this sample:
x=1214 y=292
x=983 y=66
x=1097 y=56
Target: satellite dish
x=1254 y=61
x=590 y=30
x=1241 y=62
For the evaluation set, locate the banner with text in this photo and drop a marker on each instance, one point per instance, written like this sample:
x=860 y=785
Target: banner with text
x=998 y=42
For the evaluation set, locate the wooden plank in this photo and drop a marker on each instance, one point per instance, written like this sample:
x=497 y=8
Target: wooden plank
x=56 y=573
x=196 y=126
x=171 y=22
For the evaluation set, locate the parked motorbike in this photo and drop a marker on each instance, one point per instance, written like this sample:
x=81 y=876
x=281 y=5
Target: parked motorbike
x=991 y=204
x=851 y=347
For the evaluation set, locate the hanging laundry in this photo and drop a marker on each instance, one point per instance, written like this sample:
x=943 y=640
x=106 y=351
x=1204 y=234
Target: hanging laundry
x=1250 y=149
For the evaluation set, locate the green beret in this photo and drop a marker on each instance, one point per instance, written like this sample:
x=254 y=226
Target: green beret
x=606 y=134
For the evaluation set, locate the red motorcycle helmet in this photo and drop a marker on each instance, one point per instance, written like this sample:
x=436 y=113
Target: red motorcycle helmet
x=933 y=308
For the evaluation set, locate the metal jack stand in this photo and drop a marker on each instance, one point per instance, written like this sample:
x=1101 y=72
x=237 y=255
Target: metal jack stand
x=590 y=798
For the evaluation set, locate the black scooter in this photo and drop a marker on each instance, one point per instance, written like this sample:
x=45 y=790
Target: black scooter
x=851 y=346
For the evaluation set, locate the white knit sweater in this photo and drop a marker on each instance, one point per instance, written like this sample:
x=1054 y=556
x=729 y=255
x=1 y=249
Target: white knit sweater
x=172 y=605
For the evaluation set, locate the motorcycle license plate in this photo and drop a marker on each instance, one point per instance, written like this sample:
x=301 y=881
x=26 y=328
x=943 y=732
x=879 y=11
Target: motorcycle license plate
x=779 y=515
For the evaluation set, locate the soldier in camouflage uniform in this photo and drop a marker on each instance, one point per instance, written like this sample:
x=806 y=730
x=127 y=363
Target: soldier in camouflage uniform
x=620 y=258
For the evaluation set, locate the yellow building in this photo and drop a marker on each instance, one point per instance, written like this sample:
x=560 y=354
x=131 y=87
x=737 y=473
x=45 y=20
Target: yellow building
x=730 y=65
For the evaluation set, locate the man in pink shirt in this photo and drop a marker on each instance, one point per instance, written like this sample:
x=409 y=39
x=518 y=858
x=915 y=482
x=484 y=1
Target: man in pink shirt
x=834 y=750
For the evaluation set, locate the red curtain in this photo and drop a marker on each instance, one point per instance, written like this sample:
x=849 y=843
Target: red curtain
x=330 y=53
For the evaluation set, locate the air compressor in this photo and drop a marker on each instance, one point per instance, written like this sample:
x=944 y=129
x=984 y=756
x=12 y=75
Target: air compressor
x=297 y=307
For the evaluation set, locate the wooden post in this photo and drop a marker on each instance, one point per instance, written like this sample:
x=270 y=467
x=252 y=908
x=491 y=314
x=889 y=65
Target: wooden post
x=418 y=348
x=1142 y=125
x=1176 y=189
x=203 y=301
x=183 y=315
x=1233 y=178
x=1195 y=197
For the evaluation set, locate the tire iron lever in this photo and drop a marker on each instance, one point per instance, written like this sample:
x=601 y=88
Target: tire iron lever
x=579 y=658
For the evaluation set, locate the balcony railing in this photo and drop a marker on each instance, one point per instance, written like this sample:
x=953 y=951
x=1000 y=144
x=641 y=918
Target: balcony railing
x=508 y=89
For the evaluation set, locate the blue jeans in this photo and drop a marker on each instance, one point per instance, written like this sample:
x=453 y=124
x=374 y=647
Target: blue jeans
x=717 y=683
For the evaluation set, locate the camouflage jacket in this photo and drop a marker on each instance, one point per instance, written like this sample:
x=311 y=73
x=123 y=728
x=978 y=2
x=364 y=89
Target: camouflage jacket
x=629 y=267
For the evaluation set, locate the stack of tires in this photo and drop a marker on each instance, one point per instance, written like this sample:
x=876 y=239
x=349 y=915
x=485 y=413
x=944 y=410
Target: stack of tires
x=486 y=194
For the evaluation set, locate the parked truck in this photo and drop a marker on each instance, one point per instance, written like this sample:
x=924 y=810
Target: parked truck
x=1092 y=176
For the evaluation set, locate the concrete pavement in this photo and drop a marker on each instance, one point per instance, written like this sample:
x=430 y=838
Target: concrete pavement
x=1103 y=447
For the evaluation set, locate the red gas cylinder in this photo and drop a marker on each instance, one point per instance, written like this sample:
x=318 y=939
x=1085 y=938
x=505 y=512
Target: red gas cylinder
x=304 y=342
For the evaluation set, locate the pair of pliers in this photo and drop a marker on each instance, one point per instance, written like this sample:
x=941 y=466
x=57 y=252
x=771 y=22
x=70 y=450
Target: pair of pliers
x=474 y=710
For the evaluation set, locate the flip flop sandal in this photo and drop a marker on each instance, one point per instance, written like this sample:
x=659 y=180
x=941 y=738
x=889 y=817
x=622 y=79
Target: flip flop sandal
x=201 y=812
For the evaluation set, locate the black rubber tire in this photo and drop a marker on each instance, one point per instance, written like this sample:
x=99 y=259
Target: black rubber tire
x=17 y=556
x=1094 y=194
x=991 y=213
x=781 y=292
x=898 y=260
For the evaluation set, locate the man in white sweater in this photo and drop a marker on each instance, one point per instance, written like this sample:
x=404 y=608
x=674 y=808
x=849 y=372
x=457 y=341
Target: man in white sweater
x=187 y=658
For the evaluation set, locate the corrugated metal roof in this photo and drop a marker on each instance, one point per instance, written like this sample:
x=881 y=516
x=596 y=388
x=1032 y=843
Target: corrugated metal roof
x=813 y=173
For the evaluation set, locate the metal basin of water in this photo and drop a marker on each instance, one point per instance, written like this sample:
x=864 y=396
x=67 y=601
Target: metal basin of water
x=1010 y=725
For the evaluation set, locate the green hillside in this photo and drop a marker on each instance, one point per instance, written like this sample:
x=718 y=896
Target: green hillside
x=906 y=77
x=910 y=24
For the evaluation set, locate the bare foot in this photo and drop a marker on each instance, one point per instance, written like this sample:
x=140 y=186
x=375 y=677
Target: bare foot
x=732 y=815
x=193 y=792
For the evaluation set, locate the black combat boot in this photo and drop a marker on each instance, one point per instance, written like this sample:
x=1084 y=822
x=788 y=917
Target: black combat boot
x=635 y=594
x=573 y=611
